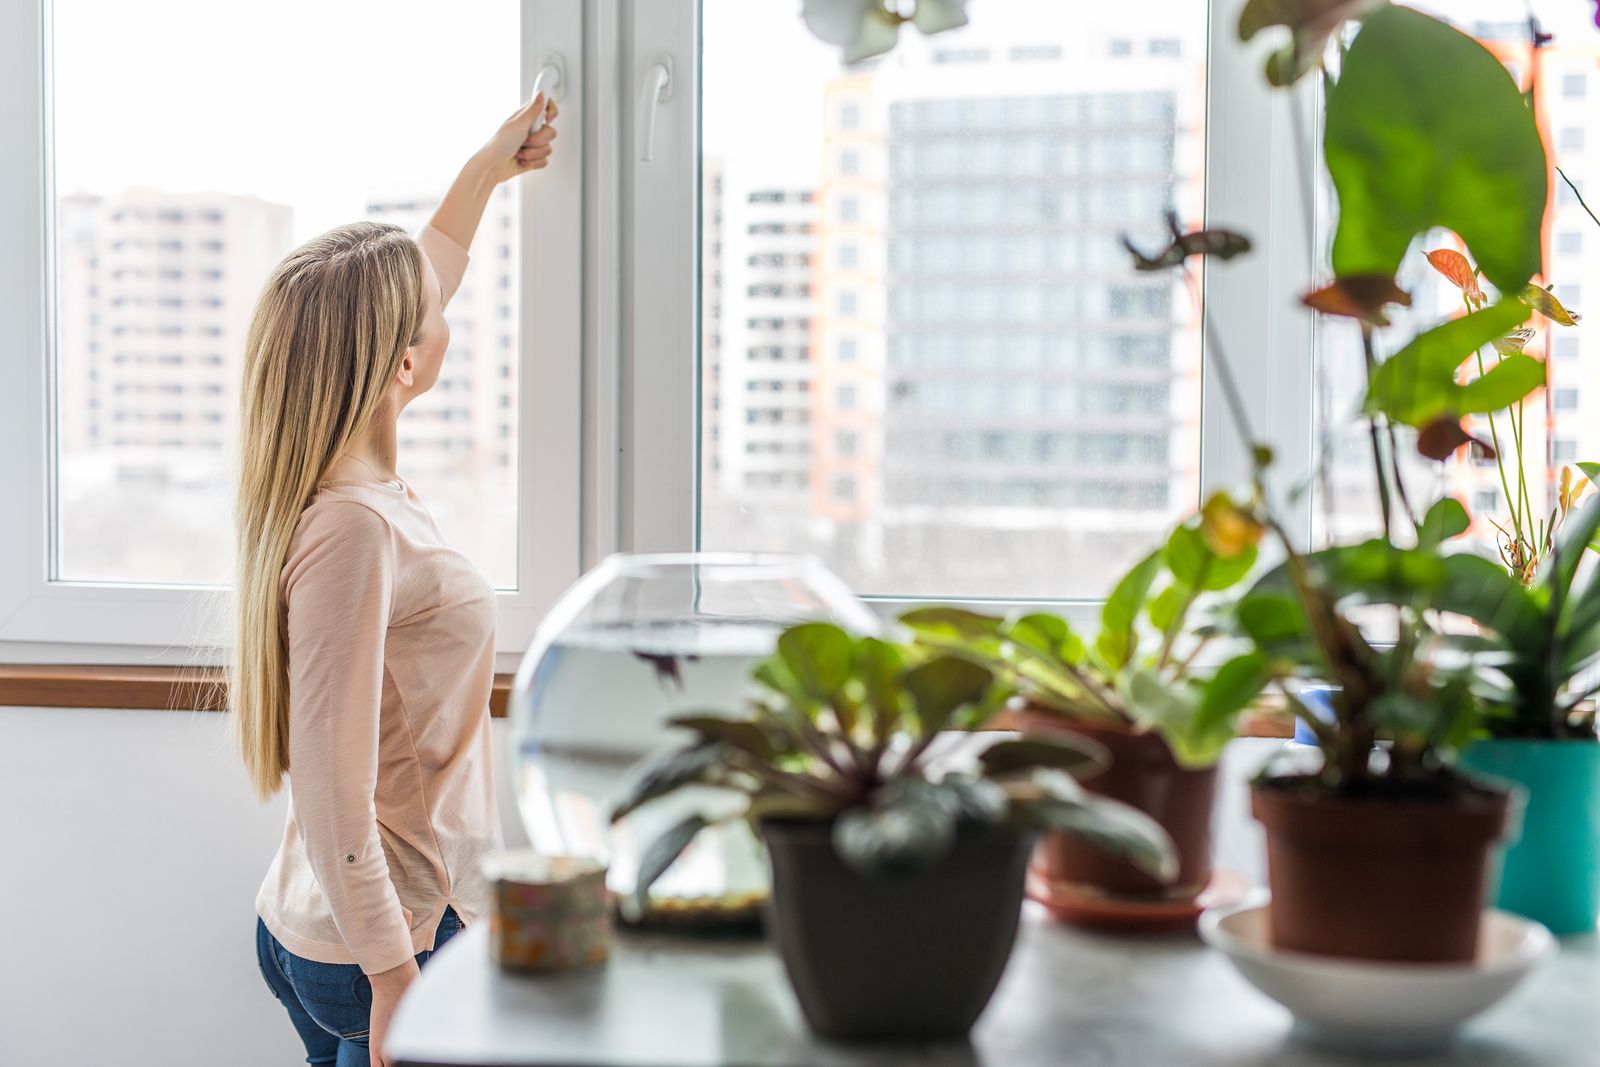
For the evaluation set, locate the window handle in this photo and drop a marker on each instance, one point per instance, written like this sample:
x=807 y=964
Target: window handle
x=657 y=87
x=552 y=81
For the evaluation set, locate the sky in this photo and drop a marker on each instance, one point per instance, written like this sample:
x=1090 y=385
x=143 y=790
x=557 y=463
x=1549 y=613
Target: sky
x=319 y=103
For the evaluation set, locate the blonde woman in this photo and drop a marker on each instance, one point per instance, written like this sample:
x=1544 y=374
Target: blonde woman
x=365 y=643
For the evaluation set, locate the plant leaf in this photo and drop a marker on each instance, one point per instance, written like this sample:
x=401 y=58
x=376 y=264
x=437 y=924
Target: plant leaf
x=1461 y=273
x=896 y=839
x=942 y=685
x=819 y=655
x=746 y=735
x=1311 y=24
x=668 y=771
x=1426 y=128
x=662 y=853
x=1417 y=385
x=1113 y=827
x=1446 y=519
x=1363 y=297
x=1077 y=756
x=1545 y=303
x=1439 y=439
x=1120 y=615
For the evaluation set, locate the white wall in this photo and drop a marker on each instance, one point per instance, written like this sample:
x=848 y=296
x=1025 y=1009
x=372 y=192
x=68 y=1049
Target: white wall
x=132 y=853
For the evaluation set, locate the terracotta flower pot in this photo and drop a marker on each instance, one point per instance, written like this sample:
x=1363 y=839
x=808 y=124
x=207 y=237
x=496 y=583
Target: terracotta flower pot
x=875 y=959
x=1379 y=878
x=1143 y=774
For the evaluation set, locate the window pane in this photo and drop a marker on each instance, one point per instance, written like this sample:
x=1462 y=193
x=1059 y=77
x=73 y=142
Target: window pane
x=997 y=404
x=194 y=146
x=1559 y=426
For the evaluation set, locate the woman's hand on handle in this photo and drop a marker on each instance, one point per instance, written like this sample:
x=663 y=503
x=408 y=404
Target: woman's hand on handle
x=387 y=989
x=514 y=149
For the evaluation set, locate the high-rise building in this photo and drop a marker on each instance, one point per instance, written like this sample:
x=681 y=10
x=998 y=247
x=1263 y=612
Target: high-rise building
x=154 y=297
x=985 y=357
x=765 y=373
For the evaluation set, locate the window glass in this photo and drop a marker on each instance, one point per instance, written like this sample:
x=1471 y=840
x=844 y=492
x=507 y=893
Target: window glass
x=192 y=150
x=1022 y=407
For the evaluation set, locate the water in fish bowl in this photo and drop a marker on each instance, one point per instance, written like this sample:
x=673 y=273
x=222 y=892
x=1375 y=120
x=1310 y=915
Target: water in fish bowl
x=600 y=697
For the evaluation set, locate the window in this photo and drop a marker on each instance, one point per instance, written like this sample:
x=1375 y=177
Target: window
x=1574 y=86
x=158 y=244
x=1566 y=400
x=1571 y=139
x=1569 y=243
x=976 y=290
x=1564 y=450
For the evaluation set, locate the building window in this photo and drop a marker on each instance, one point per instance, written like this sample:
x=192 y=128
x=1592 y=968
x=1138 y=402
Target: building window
x=1167 y=47
x=848 y=256
x=844 y=490
x=845 y=442
x=849 y=209
x=849 y=162
x=845 y=350
x=1566 y=400
x=1569 y=243
x=850 y=115
x=1574 y=86
x=1564 y=450
x=1571 y=139
x=1120 y=48
x=848 y=301
x=847 y=397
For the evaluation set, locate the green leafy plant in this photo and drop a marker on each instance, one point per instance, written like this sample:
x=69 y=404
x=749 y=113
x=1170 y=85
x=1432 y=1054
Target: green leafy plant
x=842 y=734
x=1139 y=668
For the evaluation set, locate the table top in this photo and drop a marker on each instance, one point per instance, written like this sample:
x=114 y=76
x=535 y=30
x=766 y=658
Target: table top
x=1068 y=997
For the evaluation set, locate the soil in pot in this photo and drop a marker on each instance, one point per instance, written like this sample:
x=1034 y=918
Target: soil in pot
x=894 y=959
x=1144 y=774
x=1551 y=873
x=1384 y=875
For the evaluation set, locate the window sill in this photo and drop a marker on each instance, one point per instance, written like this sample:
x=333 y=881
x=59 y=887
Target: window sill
x=139 y=688
x=199 y=689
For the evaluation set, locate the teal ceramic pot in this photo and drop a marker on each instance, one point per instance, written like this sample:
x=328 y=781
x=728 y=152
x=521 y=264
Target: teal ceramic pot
x=1552 y=873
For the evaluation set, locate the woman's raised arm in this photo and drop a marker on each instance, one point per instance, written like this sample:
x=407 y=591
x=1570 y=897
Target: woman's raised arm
x=513 y=150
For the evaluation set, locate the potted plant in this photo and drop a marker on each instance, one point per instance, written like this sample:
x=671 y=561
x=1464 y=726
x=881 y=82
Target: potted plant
x=1135 y=690
x=897 y=874
x=1383 y=852
x=1540 y=725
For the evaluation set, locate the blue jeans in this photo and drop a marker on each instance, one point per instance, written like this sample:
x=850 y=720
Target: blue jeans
x=329 y=1003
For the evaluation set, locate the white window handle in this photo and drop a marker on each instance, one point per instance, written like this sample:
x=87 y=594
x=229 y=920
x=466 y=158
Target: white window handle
x=657 y=87
x=551 y=80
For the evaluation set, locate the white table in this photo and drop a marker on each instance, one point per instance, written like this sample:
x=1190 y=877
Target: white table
x=1068 y=998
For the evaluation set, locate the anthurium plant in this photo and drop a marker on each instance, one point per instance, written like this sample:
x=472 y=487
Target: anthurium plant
x=1139 y=668
x=844 y=734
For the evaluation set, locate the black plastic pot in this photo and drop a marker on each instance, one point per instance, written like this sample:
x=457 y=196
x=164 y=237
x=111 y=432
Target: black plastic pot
x=894 y=959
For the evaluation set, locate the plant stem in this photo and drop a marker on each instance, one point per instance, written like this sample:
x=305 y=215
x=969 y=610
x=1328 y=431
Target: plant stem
x=1577 y=194
x=1500 y=458
x=1372 y=430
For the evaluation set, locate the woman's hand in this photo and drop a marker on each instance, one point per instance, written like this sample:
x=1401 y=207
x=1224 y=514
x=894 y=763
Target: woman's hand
x=514 y=150
x=387 y=989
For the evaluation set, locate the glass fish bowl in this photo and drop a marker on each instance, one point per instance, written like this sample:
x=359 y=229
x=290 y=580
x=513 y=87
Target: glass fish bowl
x=635 y=642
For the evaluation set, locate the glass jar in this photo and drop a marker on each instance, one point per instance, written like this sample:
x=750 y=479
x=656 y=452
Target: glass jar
x=635 y=642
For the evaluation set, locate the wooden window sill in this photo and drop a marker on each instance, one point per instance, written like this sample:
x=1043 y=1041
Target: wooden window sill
x=199 y=689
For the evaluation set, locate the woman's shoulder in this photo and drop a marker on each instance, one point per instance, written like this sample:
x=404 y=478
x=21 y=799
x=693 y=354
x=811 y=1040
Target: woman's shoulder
x=338 y=522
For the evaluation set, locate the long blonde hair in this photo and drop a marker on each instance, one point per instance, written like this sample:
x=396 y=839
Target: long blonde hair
x=329 y=332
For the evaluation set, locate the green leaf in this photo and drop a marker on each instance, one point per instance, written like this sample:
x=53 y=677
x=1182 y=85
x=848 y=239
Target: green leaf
x=903 y=836
x=1165 y=606
x=667 y=772
x=878 y=664
x=775 y=674
x=742 y=734
x=819 y=654
x=1235 y=685
x=1077 y=756
x=1194 y=564
x=942 y=685
x=952 y=623
x=662 y=853
x=1446 y=519
x=973 y=801
x=1426 y=128
x=1417 y=385
x=1119 y=617
x=1115 y=828
x=1044 y=633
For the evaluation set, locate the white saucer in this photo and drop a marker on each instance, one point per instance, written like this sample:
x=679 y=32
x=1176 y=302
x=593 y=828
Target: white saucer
x=1367 y=1002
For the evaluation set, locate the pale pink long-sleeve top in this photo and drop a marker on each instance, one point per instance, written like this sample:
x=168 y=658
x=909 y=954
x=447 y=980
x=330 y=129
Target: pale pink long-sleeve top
x=391 y=658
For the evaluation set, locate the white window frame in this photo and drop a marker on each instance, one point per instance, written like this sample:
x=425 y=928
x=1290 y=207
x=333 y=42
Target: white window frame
x=1260 y=163
x=51 y=621
x=609 y=404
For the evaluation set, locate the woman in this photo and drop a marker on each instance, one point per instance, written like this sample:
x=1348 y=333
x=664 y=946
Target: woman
x=365 y=644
